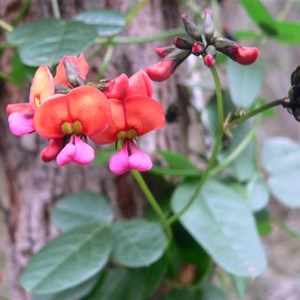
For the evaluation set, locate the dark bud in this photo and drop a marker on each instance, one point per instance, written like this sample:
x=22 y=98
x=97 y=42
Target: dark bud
x=208 y=25
x=191 y=28
x=183 y=43
x=72 y=74
x=295 y=77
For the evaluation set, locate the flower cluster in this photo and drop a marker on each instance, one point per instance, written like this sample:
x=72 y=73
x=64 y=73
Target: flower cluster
x=66 y=111
x=200 y=42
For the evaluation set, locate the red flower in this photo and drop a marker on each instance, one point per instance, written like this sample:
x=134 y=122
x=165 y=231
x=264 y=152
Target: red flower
x=243 y=55
x=20 y=118
x=134 y=113
x=79 y=63
x=66 y=119
x=162 y=70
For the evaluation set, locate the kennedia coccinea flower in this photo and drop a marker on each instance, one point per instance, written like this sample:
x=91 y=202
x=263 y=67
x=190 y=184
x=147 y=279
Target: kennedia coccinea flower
x=68 y=119
x=20 y=115
x=200 y=42
x=134 y=113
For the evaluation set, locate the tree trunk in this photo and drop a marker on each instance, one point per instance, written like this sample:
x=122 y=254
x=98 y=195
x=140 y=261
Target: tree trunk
x=32 y=187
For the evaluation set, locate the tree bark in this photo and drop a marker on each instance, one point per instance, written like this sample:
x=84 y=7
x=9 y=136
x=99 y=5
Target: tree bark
x=33 y=187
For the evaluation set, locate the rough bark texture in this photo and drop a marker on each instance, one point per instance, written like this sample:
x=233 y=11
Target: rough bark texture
x=32 y=187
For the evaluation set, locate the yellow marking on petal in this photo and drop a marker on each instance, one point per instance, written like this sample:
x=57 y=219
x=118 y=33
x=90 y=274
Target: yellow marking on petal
x=121 y=135
x=77 y=127
x=131 y=133
x=37 y=101
x=68 y=128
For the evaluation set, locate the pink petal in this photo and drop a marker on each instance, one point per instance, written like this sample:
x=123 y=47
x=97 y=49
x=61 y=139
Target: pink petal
x=118 y=163
x=117 y=87
x=66 y=154
x=140 y=161
x=84 y=152
x=20 y=124
x=76 y=151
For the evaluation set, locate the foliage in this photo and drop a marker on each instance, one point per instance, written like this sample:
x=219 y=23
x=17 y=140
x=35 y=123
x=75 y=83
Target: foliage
x=210 y=224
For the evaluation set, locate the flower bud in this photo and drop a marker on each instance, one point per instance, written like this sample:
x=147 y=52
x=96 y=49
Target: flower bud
x=208 y=25
x=191 y=28
x=197 y=49
x=210 y=56
x=166 y=67
x=183 y=42
x=72 y=73
x=164 y=51
x=295 y=77
x=240 y=54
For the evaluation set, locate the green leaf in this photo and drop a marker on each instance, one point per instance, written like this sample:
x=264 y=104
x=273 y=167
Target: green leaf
x=181 y=294
x=287 y=32
x=107 y=22
x=129 y=284
x=178 y=165
x=222 y=223
x=47 y=41
x=81 y=209
x=68 y=260
x=244 y=82
x=177 y=160
x=243 y=167
x=210 y=292
x=286 y=188
x=74 y=293
x=138 y=243
x=257 y=192
x=112 y=287
x=280 y=154
x=143 y=281
x=260 y=15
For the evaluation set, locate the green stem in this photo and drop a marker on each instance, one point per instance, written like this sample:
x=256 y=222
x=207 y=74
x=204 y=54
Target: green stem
x=152 y=201
x=5 y=26
x=237 y=151
x=22 y=12
x=141 y=40
x=107 y=57
x=215 y=150
x=136 y=9
x=253 y=113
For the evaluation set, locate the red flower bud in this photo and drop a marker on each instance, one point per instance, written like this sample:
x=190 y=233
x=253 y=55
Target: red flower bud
x=240 y=54
x=183 y=42
x=243 y=55
x=197 y=49
x=161 y=71
x=164 y=51
x=209 y=60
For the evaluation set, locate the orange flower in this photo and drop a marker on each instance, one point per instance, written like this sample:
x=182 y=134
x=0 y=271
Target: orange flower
x=20 y=118
x=67 y=119
x=134 y=113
